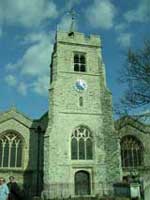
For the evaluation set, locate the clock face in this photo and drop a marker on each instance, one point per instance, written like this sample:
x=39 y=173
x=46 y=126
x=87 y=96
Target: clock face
x=80 y=85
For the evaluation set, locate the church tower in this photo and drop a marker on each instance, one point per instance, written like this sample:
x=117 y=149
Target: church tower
x=81 y=154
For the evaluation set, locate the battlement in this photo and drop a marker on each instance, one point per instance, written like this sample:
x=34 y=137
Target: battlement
x=78 y=38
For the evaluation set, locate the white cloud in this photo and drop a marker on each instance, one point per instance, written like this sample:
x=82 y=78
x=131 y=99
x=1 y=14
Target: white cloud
x=22 y=88
x=120 y=27
x=124 y=39
x=33 y=67
x=40 y=86
x=141 y=13
x=26 y=12
x=11 y=80
x=36 y=59
x=101 y=14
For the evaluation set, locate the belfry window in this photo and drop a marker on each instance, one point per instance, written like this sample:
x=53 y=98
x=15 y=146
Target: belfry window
x=81 y=144
x=79 y=62
x=131 y=152
x=10 y=150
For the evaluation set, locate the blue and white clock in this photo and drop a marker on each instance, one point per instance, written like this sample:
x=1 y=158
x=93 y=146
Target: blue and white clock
x=80 y=85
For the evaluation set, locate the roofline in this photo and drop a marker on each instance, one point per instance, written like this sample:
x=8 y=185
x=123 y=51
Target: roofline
x=132 y=121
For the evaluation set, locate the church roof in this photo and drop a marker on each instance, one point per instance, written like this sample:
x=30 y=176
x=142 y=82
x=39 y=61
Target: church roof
x=13 y=113
x=132 y=121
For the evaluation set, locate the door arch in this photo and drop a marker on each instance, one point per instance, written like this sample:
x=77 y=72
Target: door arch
x=82 y=183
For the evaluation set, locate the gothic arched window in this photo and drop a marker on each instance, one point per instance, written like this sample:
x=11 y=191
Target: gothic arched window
x=81 y=144
x=82 y=183
x=131 y=152
x=79 y=62
x=11 y=150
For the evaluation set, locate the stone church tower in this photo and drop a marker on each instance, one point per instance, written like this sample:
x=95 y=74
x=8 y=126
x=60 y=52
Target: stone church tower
x=81 y=151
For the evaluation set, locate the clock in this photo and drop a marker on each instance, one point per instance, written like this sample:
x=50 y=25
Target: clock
x=80 y=85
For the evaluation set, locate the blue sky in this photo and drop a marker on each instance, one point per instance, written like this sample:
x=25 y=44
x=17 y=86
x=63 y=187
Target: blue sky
x=27 y=31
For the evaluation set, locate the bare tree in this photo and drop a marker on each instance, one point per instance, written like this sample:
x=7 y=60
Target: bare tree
x=136 y=77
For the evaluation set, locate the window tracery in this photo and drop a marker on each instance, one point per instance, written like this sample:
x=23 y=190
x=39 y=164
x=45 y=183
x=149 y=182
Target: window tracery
x=131 y=152
x=81 y=144
x=10 y=150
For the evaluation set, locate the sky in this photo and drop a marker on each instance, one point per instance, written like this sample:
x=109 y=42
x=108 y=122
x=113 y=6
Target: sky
x=27 y=33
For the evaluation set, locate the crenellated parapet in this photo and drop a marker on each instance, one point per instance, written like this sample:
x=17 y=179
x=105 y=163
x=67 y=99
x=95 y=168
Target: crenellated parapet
x=78 y=39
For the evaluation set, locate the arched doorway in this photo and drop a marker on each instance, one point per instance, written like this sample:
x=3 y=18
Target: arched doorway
x=82 y=183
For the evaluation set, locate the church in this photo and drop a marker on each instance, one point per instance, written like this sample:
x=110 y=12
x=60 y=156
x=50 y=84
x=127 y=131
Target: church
x=76 y=148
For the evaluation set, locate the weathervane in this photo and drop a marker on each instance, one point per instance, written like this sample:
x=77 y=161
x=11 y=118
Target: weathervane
x=73 y=15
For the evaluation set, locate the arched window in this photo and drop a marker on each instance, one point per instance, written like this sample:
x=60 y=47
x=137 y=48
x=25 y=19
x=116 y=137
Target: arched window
x=131 y=152
x=81 y=144
x=79 y=62
x=10 y=150
x=82 y=183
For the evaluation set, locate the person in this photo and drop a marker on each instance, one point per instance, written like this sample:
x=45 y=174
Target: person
x=15 y=192
x=4 y=191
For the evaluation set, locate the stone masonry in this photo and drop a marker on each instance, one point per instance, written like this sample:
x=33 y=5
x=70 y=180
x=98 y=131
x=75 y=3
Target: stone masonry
x=65 y=115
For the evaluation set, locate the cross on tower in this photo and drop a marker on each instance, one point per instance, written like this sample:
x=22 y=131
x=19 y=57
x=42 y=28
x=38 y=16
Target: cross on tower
x=73 y=15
